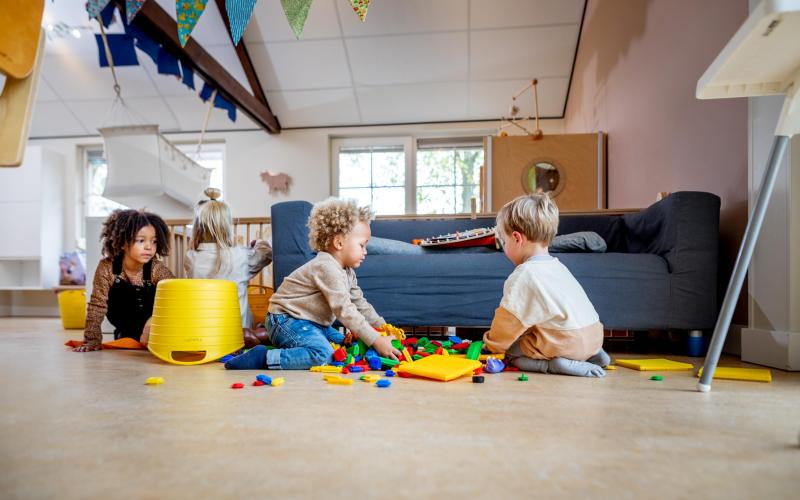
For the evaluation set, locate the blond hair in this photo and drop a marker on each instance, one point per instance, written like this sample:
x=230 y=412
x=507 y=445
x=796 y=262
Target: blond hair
x=333 y=217
x=213 y=224
x=534 y=215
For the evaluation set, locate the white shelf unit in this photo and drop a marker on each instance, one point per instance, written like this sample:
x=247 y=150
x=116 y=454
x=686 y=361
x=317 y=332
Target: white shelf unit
x=31 y=221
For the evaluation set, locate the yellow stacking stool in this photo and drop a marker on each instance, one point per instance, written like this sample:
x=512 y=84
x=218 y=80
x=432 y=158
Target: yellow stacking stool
x=195 y=321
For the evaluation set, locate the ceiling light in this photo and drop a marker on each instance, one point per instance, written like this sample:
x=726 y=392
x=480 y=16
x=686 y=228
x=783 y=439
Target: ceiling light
x=75 y=33
x=50 y=27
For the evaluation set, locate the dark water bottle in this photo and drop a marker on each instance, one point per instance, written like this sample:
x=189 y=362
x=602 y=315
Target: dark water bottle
x=695 y=343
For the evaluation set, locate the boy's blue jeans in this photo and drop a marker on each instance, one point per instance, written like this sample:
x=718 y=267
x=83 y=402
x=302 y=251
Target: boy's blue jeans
x=300 y=344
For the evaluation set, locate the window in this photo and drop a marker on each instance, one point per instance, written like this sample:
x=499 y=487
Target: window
x=399 y=175
x=97 y=172
x=212 y=155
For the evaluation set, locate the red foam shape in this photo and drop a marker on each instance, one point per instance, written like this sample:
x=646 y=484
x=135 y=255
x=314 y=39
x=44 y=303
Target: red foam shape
x=404 y=375
x=439 y=350
x=477 y=371
x=237 y=385
x=345 y=370
x=258 y=382
x=339 y=354
x=510 y=368
x=458 y=347
x=411 y=340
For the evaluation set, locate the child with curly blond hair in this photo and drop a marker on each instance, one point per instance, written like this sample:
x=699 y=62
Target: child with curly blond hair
x=324 y=289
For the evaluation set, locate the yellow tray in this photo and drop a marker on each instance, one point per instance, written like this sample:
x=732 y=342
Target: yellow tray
x=749 y=374
x=652 y=365
x=440 y=367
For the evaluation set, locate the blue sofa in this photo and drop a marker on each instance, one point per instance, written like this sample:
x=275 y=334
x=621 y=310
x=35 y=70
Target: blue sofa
x=659 y=272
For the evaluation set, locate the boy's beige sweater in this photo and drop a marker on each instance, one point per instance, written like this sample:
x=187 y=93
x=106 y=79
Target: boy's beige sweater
x=322 y=291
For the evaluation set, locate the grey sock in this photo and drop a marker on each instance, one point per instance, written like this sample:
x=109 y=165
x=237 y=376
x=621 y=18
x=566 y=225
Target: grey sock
x=601 y=359
x=530 y=365
x=566 y=366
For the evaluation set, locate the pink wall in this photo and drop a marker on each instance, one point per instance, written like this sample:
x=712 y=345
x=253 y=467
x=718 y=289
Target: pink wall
x=635 y=75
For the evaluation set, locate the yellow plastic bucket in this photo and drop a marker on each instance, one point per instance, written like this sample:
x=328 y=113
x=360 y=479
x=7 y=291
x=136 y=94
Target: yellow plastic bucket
x=195 y=321
x=72 y=305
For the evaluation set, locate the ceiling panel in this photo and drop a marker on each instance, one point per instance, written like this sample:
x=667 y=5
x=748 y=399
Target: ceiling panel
x=95 y=114
x=406 y=16
x=522 y=52
x=517 y=13
x=190 y=112
x=413 y=103
x=269 y=24
x=54 y=119
x=314 y=108
x=493 y=99
x=301 y=65
x=408 y=59
x=75 y=78
x=44 y=92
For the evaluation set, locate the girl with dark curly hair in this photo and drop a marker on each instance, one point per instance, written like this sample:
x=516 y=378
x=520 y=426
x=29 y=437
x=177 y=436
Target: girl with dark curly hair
x=125 y=280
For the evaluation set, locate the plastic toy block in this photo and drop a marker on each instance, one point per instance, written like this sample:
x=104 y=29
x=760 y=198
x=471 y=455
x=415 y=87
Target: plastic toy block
x=474 y=350
x=383 y=383
x=460 y=346
x=443 y=368
x=154 y=381
x=445 y=352
x=349 y=359
x=388 y=362
x=326 y=369
x=277 y=381
x=389 y=373
x=339 y=354
x=339 y=381
x=356 y=350
x=226 y=358
x=356 y=369
x=329 y=376
x=747 y=374
x=438 y=350
x=412 y=340
x=370 y=378
x=494 y=365
x=258 y=383
x=447 y=344
x=404 y=375
x=396 y=344
x=264 y=378
x=451 y=351
x=477 y=379
x=656 y=377
x=356 y=359
x=370 y=352
x=407 y=355
x=484 y=357
x=335 y=345
x=436 y=343
x=477 y=371
x=423 y=342
x=523 y=378
x=237 y=385
x=346 y=370
x=657 y=364
x=454 y=340
x=375 y=363
x=611 y=367
x=416 y=357
x=337 y=363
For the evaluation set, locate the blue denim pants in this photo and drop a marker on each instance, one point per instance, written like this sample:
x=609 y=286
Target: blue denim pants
x=299 y=343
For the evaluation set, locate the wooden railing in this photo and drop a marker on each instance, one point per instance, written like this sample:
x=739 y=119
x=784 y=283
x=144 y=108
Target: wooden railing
x=246 y=229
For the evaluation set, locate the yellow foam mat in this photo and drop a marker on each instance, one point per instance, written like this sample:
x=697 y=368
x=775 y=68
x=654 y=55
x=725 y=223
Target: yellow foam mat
x=650 y=365
x=440 y=367
x=749 y=374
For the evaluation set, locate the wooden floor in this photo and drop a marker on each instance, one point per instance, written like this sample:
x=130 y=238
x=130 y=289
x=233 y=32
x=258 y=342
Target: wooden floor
x=85 y=426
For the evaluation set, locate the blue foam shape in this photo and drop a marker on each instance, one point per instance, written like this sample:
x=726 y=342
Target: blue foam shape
x=356 y=369
x=455 y=339
x=264 y=378
x=389 y=373
x=383 y=383
x=374 y=362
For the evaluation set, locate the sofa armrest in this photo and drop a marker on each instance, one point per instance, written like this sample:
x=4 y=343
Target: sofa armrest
x=683 y=228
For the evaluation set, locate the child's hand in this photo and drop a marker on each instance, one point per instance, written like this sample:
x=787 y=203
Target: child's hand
x=384 y=347
x=88 y=347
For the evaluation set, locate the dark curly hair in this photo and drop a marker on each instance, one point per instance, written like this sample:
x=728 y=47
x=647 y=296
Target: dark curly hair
x=121 y=227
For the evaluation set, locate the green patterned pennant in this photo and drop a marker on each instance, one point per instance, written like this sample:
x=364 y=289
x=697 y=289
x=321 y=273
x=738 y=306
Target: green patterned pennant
x=360 y=8
x=296 y=13
x=189 y=12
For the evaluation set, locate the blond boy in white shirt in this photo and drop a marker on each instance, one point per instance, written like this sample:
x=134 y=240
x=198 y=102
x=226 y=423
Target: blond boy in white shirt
x=545 y=322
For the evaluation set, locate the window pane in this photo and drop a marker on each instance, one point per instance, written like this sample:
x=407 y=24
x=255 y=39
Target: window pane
x=363 y=196
x=388 y=168
x=435 y=167
x=463 y=196
x=97 y=205
x=468 y=165
x=389 y=201
x=354 y=168
x=435 y=200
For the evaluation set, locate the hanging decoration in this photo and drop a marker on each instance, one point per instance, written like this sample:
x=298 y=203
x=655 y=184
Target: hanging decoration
x=132 y=8
x=360 y=8
x=121 y=47
x=95 y=7
x=188 y=13
x=513 y=112
x=239 y=12
x=296 y=13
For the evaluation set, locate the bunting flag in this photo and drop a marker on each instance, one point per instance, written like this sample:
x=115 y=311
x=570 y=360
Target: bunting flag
x=239 y=12
x=94 y=7
x=188 y=75
x=188 y=12
x=219 y=101
x=167 y=64
x=360 y=8
x=121 y=47
x=296 y=13
x=132 y=7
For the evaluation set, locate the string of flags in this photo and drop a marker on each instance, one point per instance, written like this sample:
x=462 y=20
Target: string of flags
x=239 y=12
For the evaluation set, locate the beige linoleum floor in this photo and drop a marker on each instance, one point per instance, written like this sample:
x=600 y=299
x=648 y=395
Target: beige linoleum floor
x=85 y=426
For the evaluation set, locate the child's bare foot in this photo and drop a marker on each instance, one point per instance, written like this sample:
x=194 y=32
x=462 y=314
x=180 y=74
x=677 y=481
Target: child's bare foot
x=566 y=366
x=601 y=359
x=88 y=347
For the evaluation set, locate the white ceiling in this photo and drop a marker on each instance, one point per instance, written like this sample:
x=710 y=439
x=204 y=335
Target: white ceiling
x=411 y=61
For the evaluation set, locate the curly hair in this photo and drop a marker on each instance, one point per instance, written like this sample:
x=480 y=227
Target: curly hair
x=122 y=226
x=333 y=217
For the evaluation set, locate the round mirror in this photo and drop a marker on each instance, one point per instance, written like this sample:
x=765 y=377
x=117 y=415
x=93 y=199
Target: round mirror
x=542 y=176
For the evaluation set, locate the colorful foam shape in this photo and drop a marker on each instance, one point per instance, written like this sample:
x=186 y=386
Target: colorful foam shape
x=746 y=374
x=439 y=367
x=655 y=364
